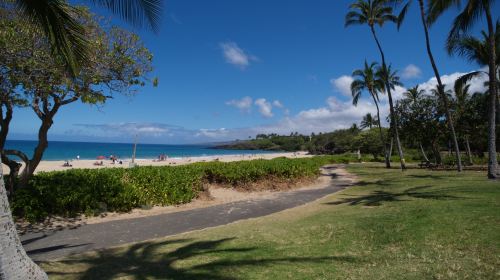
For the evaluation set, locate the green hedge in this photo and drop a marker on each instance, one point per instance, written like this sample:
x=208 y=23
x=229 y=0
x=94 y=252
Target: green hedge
x=92 y=191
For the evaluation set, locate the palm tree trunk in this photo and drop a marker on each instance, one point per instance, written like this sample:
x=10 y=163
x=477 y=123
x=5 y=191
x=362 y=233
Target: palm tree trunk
x=14 y=262
x=423 y=152
x=386 y=154
x=492 y=151
x=467 y=147
x=390 y=147
x=394 y=123
x=440 y=87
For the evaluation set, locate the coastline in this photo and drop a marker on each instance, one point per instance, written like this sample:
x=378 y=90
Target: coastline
x=57 y=165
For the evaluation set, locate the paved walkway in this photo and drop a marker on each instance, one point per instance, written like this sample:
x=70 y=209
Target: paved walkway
x=55 y=244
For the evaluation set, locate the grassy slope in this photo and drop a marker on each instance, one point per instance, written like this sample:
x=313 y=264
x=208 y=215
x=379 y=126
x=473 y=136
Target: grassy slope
x=419 y=225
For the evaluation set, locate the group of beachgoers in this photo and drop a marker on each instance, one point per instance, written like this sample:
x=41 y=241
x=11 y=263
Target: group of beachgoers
x=162 y=157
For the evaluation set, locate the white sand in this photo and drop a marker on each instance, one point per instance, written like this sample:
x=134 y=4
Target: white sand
x=58 y=164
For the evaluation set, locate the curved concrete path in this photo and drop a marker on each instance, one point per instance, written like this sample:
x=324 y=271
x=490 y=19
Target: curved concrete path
x=55 y=244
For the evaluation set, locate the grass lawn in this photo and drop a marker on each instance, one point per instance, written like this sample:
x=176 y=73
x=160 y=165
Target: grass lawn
x=418 y=224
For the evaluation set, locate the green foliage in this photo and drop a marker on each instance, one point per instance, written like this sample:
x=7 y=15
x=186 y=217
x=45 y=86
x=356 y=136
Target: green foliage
x=369 y=141
x=92 y=191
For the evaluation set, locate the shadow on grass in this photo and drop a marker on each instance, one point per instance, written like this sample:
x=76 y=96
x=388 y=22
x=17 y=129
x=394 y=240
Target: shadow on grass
x=147 y=260
x=377 y=197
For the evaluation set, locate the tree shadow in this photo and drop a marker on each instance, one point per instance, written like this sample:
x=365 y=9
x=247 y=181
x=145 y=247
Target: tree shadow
x=427 y=176
x=53 y=248
x=376 y=198
x=151 y=260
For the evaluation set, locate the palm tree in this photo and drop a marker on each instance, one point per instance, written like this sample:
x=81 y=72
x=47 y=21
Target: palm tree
x=365 y=79
x=368 y=121
x=67 y=37
x=440 y=86
x=390 y=80
x=475 y=50
x=414 y=93
x=371 y=13
x=474 y=10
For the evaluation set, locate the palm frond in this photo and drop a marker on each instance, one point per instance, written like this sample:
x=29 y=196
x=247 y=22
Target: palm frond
x=58 y=21
x=136 y=12
x=402 y=14
x=437 y=7
x=462 y=81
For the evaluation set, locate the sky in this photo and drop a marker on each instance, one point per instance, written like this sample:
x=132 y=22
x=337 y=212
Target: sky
x=232 y=69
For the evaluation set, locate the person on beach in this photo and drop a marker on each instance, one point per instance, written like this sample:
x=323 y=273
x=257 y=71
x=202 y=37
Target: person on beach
x=78 y=157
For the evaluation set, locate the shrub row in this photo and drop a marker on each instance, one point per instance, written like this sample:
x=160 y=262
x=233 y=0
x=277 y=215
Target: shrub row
x=92 y=191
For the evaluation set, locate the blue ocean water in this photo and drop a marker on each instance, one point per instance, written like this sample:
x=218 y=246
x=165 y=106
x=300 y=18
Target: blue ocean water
x=59 y=150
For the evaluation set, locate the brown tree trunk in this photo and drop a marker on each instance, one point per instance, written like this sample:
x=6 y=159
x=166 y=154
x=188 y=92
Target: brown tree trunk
x=467 y=148
x=386 y=154
x=492 y=150
x=43 y=143
x=440 y=87
x=437 y=154
x=13 y=165
x=390 y=147
x=394 y=123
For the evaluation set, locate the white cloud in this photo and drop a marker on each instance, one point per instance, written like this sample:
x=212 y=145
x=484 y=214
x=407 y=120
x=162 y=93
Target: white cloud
x=265 y=108
x=410 y=72
x=244 y=104
x=342 y=84
x=477 y=83
x=278 y=104
x=235 y=55
x=128 y=129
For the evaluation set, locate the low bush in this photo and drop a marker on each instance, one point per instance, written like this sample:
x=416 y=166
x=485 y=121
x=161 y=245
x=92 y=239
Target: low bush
x=93 y=191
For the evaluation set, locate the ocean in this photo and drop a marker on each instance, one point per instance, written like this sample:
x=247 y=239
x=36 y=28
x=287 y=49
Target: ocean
x=59 y=150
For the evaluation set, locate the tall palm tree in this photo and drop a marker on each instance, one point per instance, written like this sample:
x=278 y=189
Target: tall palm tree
x=368 y=121
x=474 y=10
x=371 y=13
x=440 y=86
x=475 y=50
x=390 y=80
x=66 y=35
x=366 y=80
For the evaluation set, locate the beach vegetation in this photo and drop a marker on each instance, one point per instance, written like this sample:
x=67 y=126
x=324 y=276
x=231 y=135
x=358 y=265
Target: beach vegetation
x=92 y=191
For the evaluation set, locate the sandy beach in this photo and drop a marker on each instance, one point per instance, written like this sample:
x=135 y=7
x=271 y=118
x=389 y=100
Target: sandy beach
x=58 y=165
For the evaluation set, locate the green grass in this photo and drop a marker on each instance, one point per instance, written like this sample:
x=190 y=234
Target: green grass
x=416 y=225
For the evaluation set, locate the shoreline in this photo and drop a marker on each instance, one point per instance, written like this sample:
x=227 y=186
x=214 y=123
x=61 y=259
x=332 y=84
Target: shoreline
x=57 y=165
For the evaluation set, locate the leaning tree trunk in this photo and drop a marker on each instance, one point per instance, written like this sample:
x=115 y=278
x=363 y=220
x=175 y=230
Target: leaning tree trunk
x=14 y=262
x=386 y=153
x=440 y=87
x=43 y=143
x=394 y=123
x=492 y=150
x=423 y=152
x=390 y=147
x=467 y=147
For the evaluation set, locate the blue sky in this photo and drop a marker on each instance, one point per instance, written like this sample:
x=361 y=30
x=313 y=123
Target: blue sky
x=231 y=69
